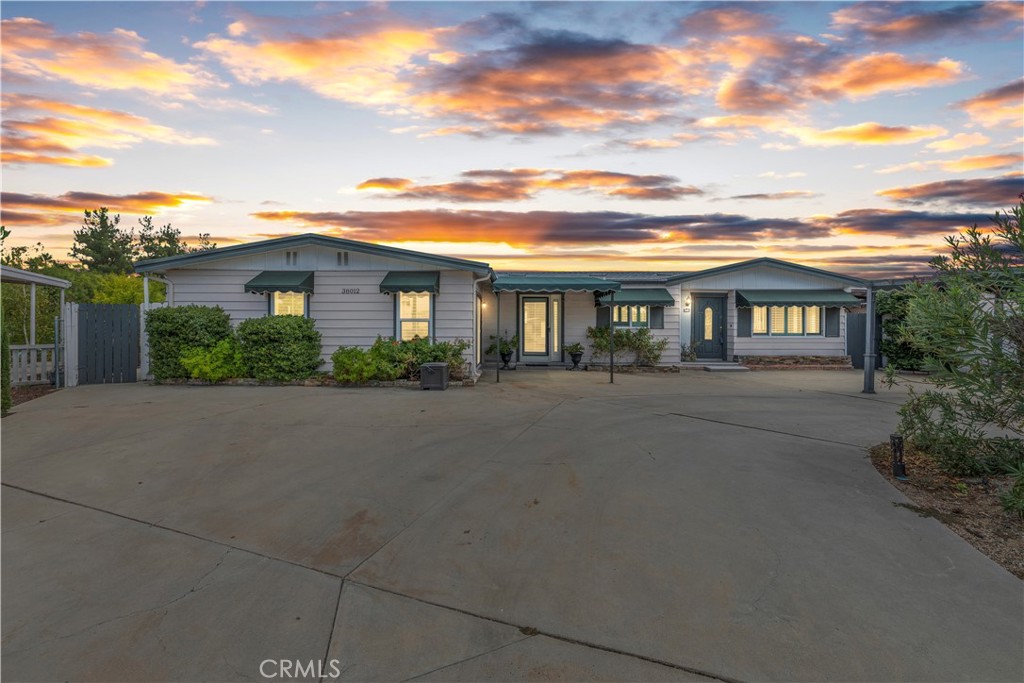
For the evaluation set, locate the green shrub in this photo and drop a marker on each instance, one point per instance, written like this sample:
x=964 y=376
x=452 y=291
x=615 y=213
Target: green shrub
x=279 y=347
x=353 y=365
x=172 y=330
x=221 y=361
x=640 y=342
x=1013 y=499
x=5 y=379
x=389 y=359
x=900 y=353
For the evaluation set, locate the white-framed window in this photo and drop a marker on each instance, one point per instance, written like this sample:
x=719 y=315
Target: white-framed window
x=288 y=303
x=786 y=320
x=291 y=258
x=413 y=315
x=631 y=316
x=342 y=258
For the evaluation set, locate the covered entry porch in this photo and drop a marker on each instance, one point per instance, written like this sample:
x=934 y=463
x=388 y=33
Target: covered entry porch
x=544 y=313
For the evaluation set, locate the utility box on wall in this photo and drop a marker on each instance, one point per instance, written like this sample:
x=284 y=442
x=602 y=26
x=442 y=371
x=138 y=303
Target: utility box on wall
x=434 y=376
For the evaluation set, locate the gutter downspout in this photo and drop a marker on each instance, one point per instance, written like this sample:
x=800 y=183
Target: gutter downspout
x=478 y=325
x=145 y=288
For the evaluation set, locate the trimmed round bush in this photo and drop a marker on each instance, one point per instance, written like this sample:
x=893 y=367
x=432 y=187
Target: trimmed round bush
x=279 y=347
x=173 y=330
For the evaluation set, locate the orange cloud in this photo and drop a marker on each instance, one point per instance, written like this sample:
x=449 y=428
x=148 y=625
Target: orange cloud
x=983 y=162
x=869 y=133
x=488 y=185
x=723 y=20
x=997 y=106
x=531 y=228
x=114 y=61
x=736 y=93
x=958 y=142
x=44 y=210
x=76 y=202
x=897 y=22
x=875 y=73
x=56 y=140
x=363 y=68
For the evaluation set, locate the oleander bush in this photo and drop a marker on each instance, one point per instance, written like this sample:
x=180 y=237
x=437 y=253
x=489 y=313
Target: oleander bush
x=279 y=347
x=173 y=330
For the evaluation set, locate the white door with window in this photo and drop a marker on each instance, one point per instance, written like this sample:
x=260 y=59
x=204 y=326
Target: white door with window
x=540 y=328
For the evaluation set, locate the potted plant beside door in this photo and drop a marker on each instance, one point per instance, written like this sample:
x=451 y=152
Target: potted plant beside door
x=504 y=346
x=575 y=351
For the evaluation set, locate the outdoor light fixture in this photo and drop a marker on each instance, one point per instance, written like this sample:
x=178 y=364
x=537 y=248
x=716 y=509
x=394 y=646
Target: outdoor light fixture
x=687 y=301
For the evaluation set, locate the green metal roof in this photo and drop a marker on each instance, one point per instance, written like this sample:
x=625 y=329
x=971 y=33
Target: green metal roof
x=656 y=296
x=281 y=281
x=411 y=281
x=795 y=297
x=554 y=283
x=309 y=239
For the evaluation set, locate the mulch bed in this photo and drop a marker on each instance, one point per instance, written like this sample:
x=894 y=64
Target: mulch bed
x=21 y=394
x=967 y=505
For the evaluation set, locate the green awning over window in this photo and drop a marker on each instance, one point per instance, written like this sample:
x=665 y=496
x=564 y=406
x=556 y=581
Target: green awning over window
x=795 y=297
x=411 y=281
x=281 y=281
x=554 y=283
x=657 y=296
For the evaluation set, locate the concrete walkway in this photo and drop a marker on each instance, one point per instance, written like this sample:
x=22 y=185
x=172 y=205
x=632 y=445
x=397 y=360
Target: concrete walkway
x=552 y=527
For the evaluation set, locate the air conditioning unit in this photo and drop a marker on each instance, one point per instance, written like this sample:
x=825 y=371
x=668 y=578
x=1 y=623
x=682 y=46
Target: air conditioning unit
x=434 y=376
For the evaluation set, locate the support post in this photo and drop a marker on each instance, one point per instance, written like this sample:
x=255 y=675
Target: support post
x=56 y=351
x=497 y=336
x=869 y=345
x=32 y=317
x=611 y=340
x=145 y=290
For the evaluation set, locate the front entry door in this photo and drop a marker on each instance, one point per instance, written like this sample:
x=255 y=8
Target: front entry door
x=539 y=329
x=708 y=332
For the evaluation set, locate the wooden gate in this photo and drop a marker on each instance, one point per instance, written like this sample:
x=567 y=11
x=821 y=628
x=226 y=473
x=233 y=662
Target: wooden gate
x=108 y=343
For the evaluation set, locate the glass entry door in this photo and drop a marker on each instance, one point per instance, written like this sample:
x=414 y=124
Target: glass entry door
x=540 y=328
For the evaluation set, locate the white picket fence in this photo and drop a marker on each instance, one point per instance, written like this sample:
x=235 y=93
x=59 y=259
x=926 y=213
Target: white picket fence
x=32 y=364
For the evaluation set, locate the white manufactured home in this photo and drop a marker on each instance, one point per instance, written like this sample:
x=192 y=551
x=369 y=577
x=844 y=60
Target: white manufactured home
x=357 y=291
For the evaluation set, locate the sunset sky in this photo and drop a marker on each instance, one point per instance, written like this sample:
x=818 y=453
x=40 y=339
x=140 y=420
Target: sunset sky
x=563 y=136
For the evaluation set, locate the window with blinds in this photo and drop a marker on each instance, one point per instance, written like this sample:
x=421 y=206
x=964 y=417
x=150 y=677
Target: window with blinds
x=413 y=315
x=288 y=303
x=535 y=326
x=786 y=320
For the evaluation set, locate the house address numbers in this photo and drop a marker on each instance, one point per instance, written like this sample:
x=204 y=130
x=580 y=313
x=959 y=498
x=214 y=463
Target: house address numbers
x=350 y=290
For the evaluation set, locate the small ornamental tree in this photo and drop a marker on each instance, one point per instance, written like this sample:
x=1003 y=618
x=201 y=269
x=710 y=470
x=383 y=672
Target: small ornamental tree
x=969 y=328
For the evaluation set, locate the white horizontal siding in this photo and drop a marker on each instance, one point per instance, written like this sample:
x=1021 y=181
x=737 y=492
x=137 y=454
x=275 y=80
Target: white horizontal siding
x=790 y=346
x=763 y=277
x=454 y=315
x=580 y=313
x=312 y=258
x=218 y=288
x=343 y=317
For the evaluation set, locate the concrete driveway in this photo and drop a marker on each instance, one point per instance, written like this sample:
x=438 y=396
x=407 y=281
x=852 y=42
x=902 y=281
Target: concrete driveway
x=553 y=527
